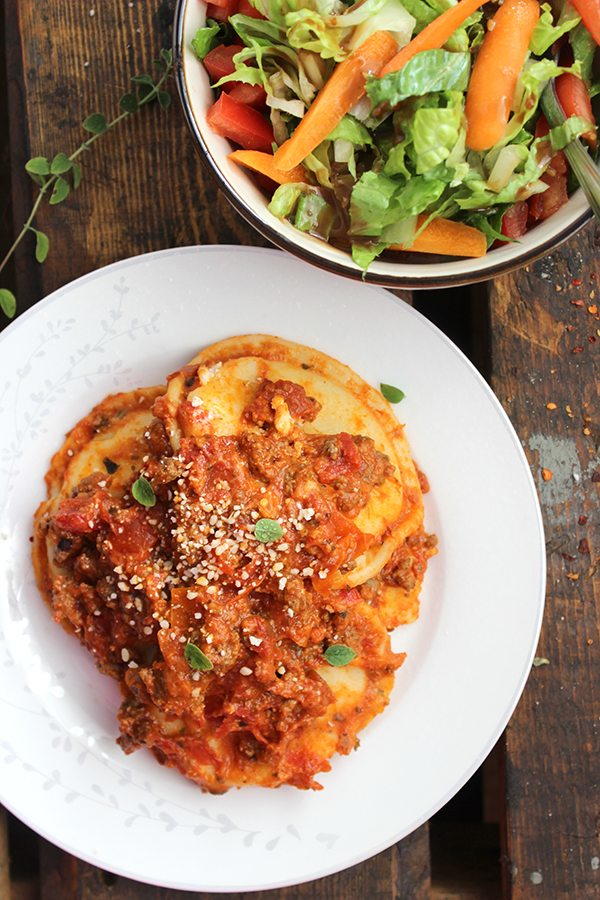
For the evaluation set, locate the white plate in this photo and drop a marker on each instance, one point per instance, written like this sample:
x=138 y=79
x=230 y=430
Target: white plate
x=469 y=653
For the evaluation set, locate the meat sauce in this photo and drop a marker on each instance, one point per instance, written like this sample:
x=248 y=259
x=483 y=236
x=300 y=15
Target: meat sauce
x=143 y=584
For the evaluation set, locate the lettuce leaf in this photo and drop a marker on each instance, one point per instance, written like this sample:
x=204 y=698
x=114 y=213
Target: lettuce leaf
x=350 y=129
x=572 y=128
x=434 y=134
x=546 y=32
x=285 y=198
x=378 y=201
x=584 y=49
x=428 y=72
x=205 y=38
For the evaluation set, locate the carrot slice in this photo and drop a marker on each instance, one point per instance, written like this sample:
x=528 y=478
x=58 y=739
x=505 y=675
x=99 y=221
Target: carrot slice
x=496 y=70
x=265 y=164
x=435 y=34
x=589 y=10
x=447 y=238
x=345 y=88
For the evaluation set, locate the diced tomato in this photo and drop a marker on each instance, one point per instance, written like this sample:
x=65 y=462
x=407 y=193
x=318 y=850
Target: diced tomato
x=241 y=124
x=82 y=514
x=514 y=220
x=132 y=537
x=542 y=206
x=219 y=62
x=347 y=460
x=250 y=94
x=222 y=11
x=575 y=100
x=246 y=9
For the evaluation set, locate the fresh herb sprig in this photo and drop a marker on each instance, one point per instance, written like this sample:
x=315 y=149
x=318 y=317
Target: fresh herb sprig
x=59 y=176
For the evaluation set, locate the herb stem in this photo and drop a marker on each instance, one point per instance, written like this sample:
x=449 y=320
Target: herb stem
x=49 y=182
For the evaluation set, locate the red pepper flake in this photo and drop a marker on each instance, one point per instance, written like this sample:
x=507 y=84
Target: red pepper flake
x=577 y=282
x=584 y=547
x=593 y=309
x=573 y=576
x=586 y=431
x=568 y=558
x=550 y=405
x=589 y=642
x=569 y=411
x=582 y=520
x=596 y=476
x=569 y=328
x=577 y=349
x=576 y=302
x=591 y=339
x=547 y=474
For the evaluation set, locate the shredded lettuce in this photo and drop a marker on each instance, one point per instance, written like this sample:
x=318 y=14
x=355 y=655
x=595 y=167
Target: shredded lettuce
x=350 y=129
x=546 y=32
x=205 y=38
x=285 y=198
x=572 y=128
x=428 y=72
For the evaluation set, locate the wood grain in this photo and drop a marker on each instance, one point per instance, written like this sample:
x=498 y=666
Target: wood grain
x=545 y=351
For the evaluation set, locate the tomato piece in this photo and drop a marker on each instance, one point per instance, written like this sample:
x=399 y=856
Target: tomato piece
x=514 y=220
x=246 y=9
x=83 y=514
x=132 y=537
x=542 y=206
x=250 y=94
x=575 y=100
x=221 y=11
x=345 y=460
x=241 y=124
x=219 y=61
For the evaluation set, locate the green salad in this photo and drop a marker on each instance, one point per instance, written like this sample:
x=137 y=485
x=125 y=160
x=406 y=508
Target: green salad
x=391 y=125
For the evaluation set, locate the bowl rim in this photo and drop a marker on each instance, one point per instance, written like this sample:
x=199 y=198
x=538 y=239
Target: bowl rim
x=398 y=282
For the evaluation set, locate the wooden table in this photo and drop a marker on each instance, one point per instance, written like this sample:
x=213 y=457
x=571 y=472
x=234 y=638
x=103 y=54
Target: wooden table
x=533 y=334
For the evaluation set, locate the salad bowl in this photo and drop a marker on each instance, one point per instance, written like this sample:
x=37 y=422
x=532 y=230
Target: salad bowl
x=408 y=270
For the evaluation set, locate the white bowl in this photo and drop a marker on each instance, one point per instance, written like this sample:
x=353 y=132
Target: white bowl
x=411 y=270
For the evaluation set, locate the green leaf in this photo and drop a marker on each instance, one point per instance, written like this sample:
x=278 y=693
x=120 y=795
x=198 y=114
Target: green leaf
x=77 y=175
x=339 y=654
x=61 y=191
x=267 y=530
x=96 y=123
x=546 y=32
x=8 y=302
x=540 y=661
x=42 y=245
x=164 y=99
x=572 y=128
x=60 y=164
x=391 y=393
x=39 y=165
x=350 y=129
x=428 y=72
x=285 y=198
x=141 y=491
x=196 y=659
x=166 y=54
x=128 y=103
x=205 y=38
x=143 y=79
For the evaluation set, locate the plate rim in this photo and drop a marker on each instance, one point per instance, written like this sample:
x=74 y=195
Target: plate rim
x=325 y=871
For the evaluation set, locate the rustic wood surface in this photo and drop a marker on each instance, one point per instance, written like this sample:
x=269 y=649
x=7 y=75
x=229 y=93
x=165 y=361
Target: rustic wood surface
x=544 y=369
x=144 y=189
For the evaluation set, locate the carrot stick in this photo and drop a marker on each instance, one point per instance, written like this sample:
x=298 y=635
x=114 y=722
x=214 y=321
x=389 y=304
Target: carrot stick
x=264 y=163
x=435 y=34
x=447 y=238
x=345 y=88
x=496 y=70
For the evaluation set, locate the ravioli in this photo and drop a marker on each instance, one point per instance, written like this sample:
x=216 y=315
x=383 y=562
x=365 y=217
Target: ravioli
x=243 y=599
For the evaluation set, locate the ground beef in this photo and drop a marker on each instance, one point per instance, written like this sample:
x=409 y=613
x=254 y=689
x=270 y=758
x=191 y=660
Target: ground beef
x=302 y=407
x=353 y=466
x=408 y=562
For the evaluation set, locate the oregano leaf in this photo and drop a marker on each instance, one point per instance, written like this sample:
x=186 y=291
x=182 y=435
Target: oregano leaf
x=61 y=191
x=128 y=103
x=196 y=659
x=96 y=123
x=141 y=491
x=8 y=302
x=38 y=165
x=266 y=530
x=42 y=245
x=77 y=175
x=164 y=99
x=339 y=654
x=60 y=164
x=391 y=393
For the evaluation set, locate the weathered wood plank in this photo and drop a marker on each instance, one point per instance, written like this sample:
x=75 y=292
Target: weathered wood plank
x=400 y=872
x=144 y=187
x=545 y=342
